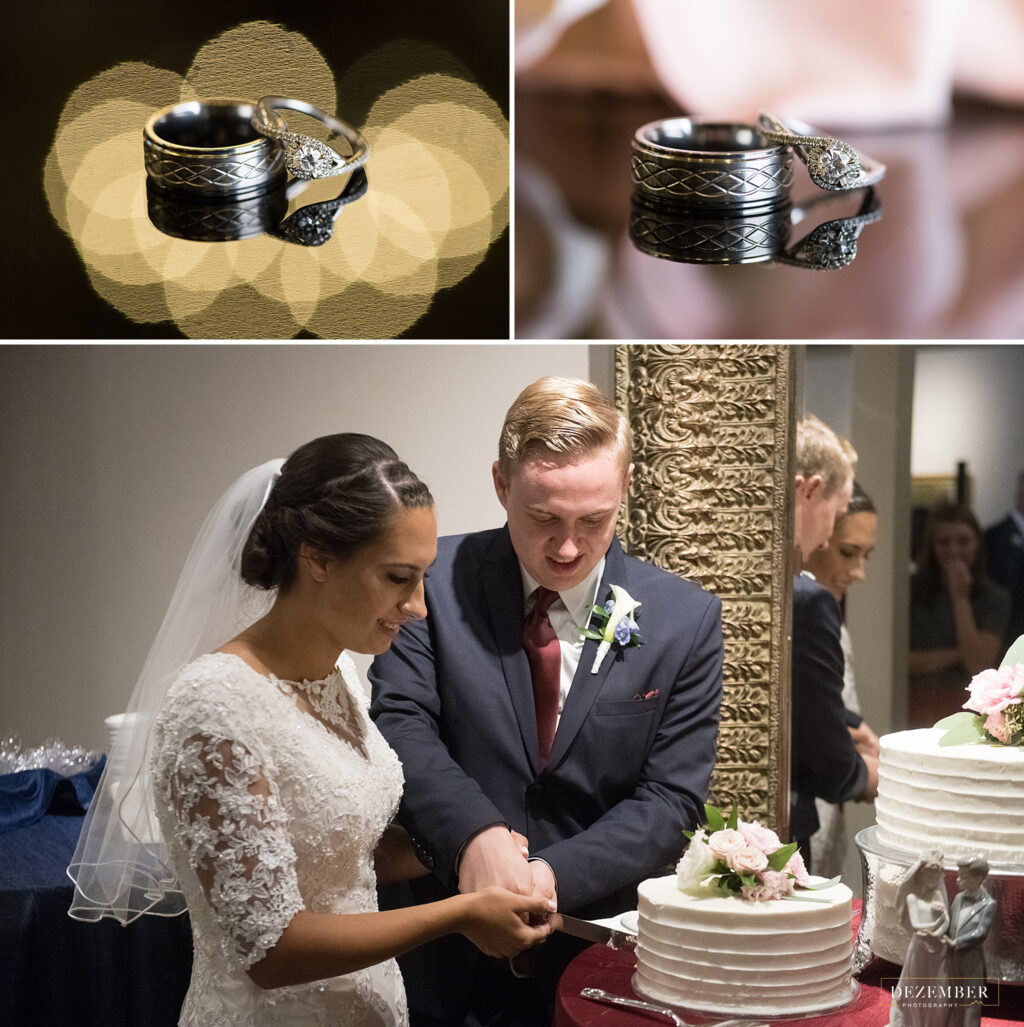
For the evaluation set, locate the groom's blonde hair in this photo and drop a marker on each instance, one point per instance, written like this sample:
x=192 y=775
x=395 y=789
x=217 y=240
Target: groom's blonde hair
x=562 y=415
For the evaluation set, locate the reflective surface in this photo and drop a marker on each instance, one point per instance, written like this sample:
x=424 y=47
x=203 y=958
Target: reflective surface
x=423 y=254
x=938 y=252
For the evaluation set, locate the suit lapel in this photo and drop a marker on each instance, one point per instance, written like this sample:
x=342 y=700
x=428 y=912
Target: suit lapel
x=587 y=686
x=502 y=587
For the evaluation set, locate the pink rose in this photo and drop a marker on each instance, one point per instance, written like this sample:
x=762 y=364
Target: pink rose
x=747 y=860
x=993 y=690
x=724 y=843
x=774 y=884
x=795 y=866
x=760 y=837
x=995 y=725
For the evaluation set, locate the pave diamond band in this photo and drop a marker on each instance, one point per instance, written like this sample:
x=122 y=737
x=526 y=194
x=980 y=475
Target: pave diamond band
x=306 y=157
x=694 y=162
x=209 y=149
x=831 y=163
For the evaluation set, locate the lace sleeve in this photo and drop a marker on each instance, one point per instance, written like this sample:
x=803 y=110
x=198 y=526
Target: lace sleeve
x=235 y=832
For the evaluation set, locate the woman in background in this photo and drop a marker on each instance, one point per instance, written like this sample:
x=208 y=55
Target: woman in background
x=838 y=566
x=957 y=616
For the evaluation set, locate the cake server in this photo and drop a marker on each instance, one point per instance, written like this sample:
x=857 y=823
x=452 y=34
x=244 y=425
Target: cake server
x=597 y=995
x=590 y=931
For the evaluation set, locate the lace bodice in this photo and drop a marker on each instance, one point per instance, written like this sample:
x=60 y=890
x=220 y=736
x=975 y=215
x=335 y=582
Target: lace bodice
x=268 y=810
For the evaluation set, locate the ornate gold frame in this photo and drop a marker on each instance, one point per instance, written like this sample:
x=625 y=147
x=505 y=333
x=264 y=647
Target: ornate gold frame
x=710 y=501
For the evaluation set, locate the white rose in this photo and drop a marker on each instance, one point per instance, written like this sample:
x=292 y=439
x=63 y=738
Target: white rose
x=698 y=861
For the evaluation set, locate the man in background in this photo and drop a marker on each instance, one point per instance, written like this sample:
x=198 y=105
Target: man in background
x=825 y=761
x=1004 y=558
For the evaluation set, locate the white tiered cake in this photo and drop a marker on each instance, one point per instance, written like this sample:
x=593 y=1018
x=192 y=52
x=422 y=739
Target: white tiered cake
x=727 y=955
x=960 y=799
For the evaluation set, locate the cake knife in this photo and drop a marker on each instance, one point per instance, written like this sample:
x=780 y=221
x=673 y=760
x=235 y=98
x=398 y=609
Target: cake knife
x=598 y=995
x=590 y=931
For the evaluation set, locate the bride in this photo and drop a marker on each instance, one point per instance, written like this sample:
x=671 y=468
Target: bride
x=253 y=788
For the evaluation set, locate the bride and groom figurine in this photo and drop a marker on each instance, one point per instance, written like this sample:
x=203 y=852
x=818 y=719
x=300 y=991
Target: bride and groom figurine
x=945 y=947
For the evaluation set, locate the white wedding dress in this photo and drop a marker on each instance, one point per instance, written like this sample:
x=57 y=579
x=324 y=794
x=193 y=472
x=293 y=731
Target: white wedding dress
x=267 y=810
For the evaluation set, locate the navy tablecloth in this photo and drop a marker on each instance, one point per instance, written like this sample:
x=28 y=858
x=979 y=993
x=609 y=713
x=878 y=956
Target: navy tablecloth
x=59 y=972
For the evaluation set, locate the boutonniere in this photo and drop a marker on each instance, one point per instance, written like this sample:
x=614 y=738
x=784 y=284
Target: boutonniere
x=616 y=625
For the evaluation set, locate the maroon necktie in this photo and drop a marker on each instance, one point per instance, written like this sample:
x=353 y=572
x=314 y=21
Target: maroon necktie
x=545 y=656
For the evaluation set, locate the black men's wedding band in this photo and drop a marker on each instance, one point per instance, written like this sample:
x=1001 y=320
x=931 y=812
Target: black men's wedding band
x=709 y=164
x=209 y=148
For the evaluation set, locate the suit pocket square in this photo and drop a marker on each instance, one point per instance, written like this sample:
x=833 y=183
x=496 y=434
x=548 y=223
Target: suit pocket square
x=627 y=707
x=647 y=696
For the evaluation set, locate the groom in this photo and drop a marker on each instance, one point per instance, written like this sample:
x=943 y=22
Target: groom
x=505 y=720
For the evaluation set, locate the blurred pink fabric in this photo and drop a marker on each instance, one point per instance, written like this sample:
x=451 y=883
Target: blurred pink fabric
x=834 y=62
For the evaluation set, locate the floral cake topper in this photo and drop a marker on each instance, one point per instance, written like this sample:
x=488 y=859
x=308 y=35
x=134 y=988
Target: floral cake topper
x=995 y=709
x=616 y=624
x=747 y=860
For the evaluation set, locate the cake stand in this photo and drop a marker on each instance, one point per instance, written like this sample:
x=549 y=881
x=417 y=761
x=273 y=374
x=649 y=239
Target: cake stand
x=881 y=933
x=850 y=999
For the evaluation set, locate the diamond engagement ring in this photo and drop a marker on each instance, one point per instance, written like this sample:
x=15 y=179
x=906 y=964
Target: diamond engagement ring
x=833 y=244
x=209 y=149
x=831 y=163
x=306 y=157
x=701 y=163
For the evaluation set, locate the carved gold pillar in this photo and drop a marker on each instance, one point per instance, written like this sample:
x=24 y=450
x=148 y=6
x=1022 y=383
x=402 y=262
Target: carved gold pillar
x=710 y=501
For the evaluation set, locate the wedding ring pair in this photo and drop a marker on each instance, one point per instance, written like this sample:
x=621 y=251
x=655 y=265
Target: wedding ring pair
x=235 y=149
x=704 y=163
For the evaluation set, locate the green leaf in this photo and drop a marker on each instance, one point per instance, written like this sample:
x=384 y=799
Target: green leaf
x=954 y=719
x=962 y=729
x=599 y=610
x=590 y=633
x=689 y=834
x=714 y=817
x=750 y=880
x=725 y=886
x=780 y=857
x=734 y=817
x=824 y=884
x=1014 y=655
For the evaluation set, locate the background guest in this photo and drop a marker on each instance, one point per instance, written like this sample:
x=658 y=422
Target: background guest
x=842 y=562
x=825 y=762
x=1004 y=558
x=958 y=615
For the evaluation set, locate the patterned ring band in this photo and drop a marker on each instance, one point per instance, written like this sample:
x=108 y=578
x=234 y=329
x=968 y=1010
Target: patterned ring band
x=705 y=163
x=306 y=157
x=210 y=149
x=743 y=235
x=831 y=163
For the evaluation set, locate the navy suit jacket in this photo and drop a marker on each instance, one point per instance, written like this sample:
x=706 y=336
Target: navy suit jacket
x=631 y=762
x=825 y=762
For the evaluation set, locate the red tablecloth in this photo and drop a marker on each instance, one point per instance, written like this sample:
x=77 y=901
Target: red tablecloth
x=600 y=967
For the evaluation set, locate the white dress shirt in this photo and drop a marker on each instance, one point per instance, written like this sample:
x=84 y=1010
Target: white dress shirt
x=568 y=613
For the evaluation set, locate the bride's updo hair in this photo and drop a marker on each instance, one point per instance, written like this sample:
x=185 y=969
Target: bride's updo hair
x=337 y=493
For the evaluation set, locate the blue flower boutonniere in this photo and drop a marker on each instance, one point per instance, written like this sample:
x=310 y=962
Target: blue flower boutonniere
x=616 y=624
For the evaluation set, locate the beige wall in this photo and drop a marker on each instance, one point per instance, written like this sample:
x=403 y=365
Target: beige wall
x=110 y=457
